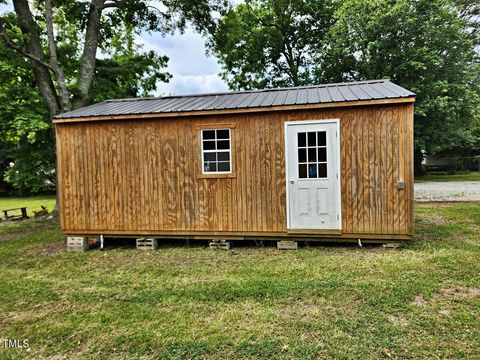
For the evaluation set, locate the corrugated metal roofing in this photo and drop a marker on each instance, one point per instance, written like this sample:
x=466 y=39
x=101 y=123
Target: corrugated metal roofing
x=317 y=94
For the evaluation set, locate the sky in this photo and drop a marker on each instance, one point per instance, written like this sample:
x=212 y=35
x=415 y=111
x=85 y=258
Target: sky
x=193 y=72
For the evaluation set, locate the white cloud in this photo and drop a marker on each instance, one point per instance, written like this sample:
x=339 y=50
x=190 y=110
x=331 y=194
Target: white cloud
x=192 y=84
x=192 y=70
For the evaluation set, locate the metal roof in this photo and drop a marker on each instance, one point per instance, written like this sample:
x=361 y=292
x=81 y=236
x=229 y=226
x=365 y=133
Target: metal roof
x=304 y=95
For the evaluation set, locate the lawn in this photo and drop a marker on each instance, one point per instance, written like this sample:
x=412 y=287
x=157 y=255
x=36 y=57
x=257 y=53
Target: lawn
x=189 y=302
x=444 y=177
x=31 y=203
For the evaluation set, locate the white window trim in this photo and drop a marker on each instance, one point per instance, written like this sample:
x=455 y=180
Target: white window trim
x=229 y=150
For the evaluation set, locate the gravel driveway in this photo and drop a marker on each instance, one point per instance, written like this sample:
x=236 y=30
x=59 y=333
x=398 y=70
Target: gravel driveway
x=448 y=191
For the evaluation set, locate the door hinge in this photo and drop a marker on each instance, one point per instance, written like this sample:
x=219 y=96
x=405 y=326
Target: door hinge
x=338 y=216
x=336 y=175
x=336 y=134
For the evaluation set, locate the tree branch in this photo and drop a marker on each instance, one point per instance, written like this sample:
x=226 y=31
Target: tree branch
x=11 y=44
x=65 y=104
x=88 y=58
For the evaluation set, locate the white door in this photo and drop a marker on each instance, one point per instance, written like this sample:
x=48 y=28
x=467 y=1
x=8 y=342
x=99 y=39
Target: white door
x=313 y=174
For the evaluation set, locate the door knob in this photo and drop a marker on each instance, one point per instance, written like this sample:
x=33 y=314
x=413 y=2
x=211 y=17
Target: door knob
x=291 y=181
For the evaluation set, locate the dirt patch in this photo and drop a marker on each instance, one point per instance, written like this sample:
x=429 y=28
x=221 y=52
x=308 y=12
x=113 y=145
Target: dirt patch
x=397 y=320
x=433 y=219
x=18 y=233
x=461 y=292
x=444 y=312
x=11 y=236
x=51 y=249
x=419 y=301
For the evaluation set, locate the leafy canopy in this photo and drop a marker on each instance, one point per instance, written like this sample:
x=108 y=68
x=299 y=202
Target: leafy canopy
x=270 y=43
x=427 y=46
x=91 y=55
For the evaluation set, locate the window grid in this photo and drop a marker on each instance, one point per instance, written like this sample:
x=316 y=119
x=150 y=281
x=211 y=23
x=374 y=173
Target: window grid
x=216 y=151
x=312 y=155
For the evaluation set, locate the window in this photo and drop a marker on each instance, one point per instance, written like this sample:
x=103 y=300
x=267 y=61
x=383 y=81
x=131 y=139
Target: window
x=312 y=155
x=216 y=151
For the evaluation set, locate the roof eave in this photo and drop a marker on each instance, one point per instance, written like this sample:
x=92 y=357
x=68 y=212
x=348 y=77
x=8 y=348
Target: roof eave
x=386 y=101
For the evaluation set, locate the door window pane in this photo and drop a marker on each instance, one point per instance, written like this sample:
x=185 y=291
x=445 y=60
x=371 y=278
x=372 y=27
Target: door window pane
x=302 y=155
x=302 y=139
x=322 y=138
x=312 y=155
x=302 y=171
x=322 y=170
x=322 y=154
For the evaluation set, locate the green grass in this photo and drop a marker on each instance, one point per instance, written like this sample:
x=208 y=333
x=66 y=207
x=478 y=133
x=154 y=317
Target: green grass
x=342 y=302
x=31 y=203
x=443 y=177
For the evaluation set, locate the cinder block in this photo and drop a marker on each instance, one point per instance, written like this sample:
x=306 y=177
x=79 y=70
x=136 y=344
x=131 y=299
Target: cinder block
x=222 y=244
x=287 y=245
x=77 y=244
x=147 y=244
x=393 y=245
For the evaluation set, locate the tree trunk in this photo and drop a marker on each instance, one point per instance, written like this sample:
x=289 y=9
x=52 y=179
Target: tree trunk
x=59 y=103
x=87 y=61
x=63 y=93
x=34 y=47
x=418 y=157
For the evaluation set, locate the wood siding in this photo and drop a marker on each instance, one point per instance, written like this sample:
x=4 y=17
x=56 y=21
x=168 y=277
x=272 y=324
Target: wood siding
x=143 y=176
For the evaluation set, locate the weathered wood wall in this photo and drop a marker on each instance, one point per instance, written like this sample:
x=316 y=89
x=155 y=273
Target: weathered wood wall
x=143 y=176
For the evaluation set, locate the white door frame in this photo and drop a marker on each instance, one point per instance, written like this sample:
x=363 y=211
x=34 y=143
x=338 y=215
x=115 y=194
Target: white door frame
x=339 y=192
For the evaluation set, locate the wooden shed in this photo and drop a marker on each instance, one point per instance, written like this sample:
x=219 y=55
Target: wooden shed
x=320 y=162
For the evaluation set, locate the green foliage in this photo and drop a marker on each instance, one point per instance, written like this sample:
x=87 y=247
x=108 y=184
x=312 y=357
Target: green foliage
x=269 y=43
x=427 y=46
x=127 y=71
x=122 y=69
x=422 y=45
x=25 y=131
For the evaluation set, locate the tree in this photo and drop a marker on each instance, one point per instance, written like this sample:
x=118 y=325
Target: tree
x=51 y=50
x=27 y=158
x=33 y=36
x=427 y=46
x=269 y=43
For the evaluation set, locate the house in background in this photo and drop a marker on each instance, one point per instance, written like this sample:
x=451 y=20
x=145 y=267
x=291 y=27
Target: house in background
x=320 y=162
x=451 y=161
